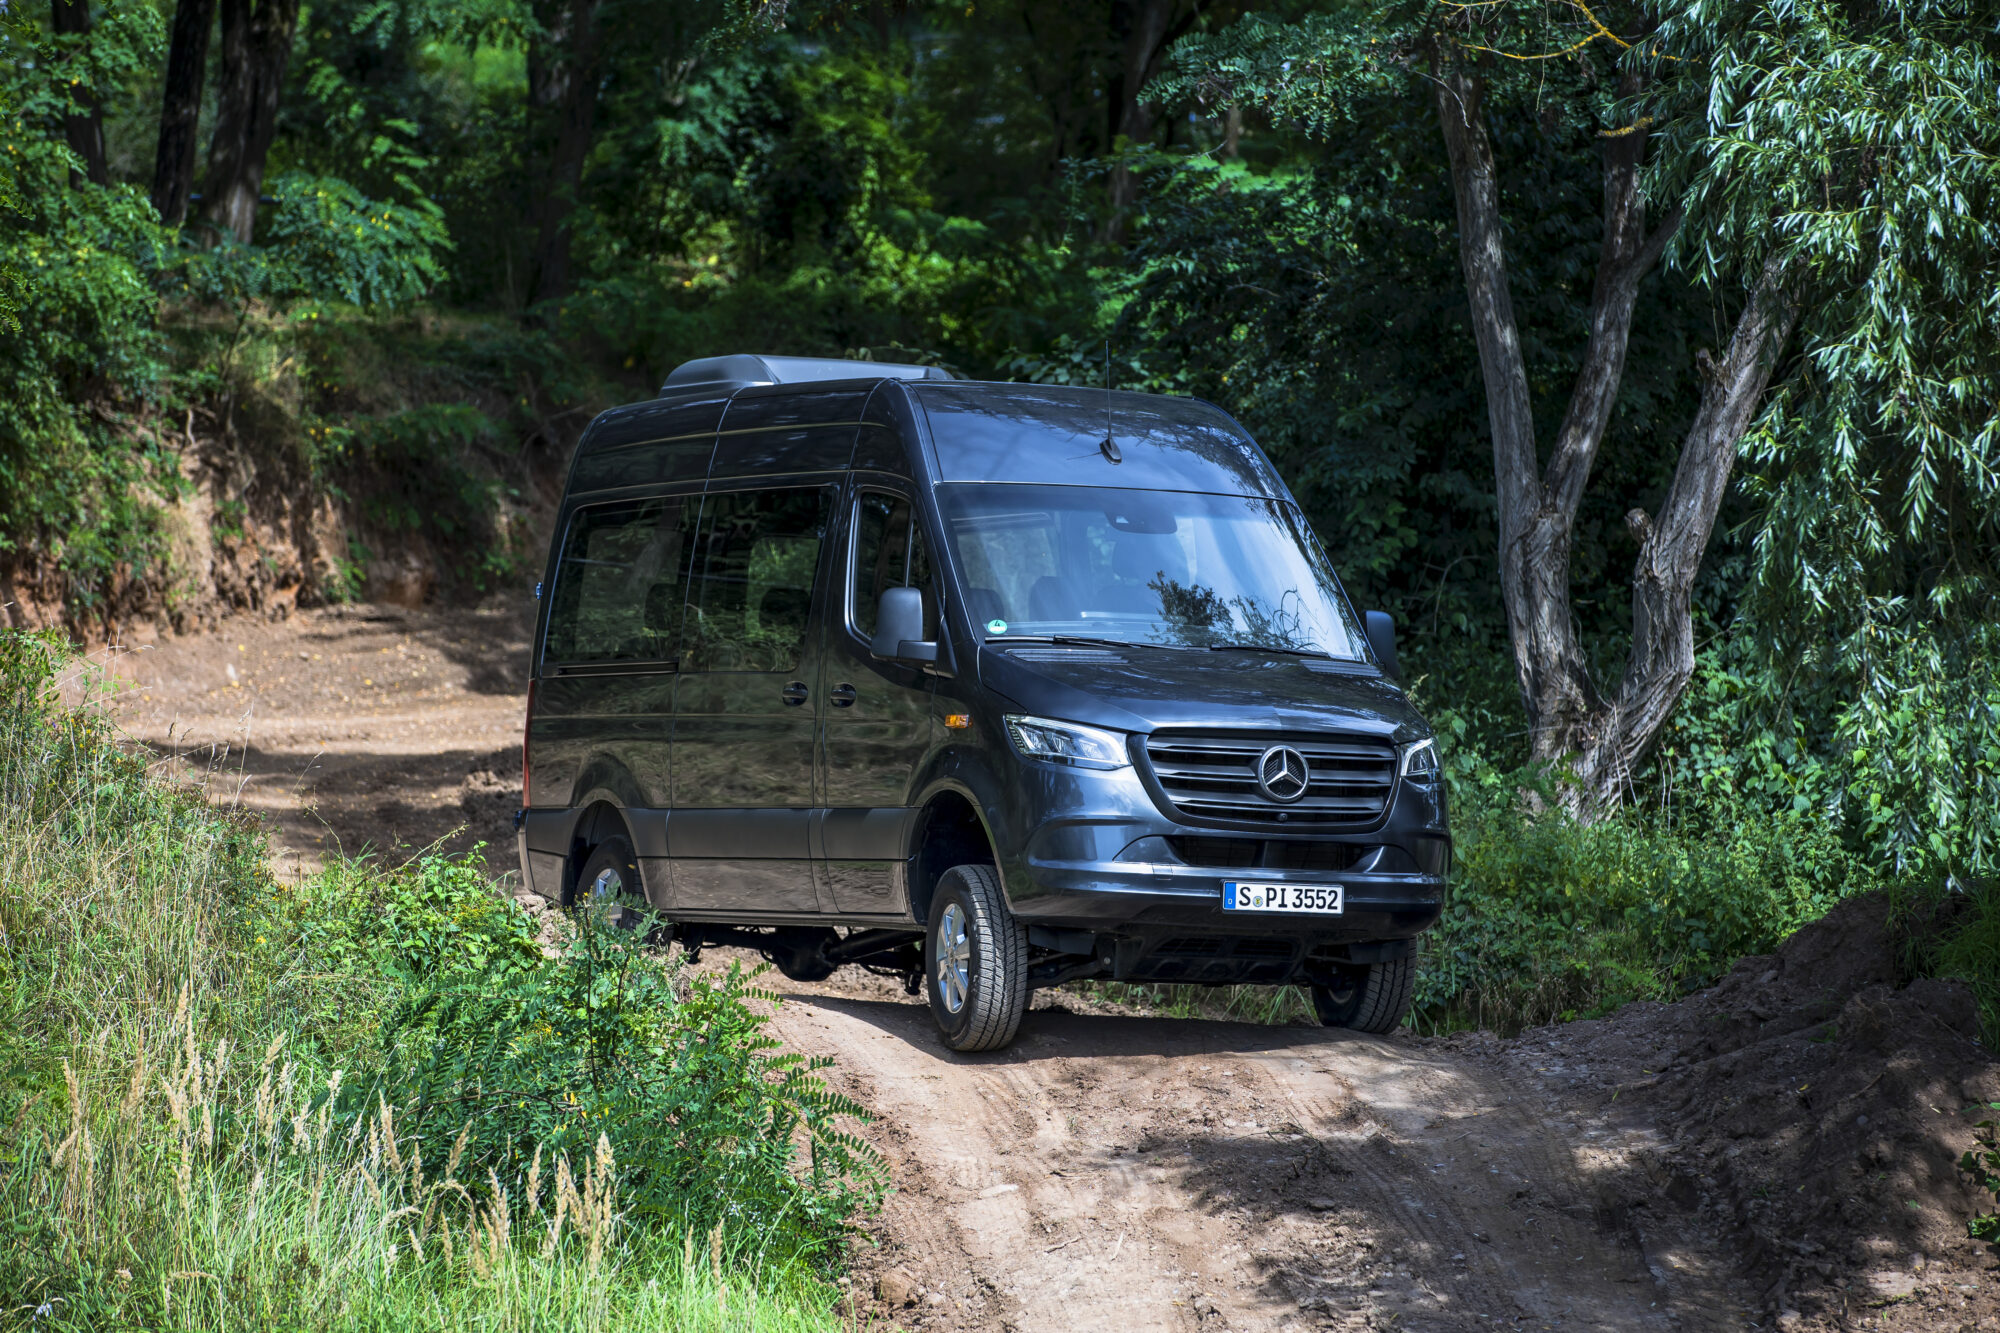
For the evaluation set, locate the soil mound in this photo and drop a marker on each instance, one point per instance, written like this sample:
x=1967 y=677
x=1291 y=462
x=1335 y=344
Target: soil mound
x=1819 y=1105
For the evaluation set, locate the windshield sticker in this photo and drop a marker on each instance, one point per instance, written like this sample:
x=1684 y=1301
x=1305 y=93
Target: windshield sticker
x=996 y=627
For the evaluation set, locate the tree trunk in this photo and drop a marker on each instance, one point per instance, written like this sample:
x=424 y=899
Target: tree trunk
x=563 y=70
x=83 y=121
x=1671 y=544
x=256 y=48
x=1144 y=29
x=1537 y=507
x=180 y=109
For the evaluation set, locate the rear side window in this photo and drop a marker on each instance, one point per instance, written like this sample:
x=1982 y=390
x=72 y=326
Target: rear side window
x=756 y=556
x=889 y=552
x=618 y=593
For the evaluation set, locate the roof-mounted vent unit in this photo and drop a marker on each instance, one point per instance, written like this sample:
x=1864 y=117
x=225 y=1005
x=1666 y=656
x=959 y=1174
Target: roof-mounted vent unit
x=743 y=370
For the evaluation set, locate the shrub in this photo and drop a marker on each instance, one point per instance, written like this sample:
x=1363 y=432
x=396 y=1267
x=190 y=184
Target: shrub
x=433 y=916
x=1550 y=919
x=674 y=1073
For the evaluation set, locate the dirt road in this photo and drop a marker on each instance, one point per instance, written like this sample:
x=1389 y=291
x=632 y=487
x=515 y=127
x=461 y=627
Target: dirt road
x=1114 y=1170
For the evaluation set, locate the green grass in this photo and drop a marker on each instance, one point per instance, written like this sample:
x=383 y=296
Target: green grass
x=228 y=1103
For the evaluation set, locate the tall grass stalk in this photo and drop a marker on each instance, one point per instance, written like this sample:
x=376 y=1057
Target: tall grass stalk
x=198 y=1189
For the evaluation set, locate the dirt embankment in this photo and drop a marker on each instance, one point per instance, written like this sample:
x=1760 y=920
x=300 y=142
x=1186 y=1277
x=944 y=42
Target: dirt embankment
x=1816 y=1109
x=1777 y=1150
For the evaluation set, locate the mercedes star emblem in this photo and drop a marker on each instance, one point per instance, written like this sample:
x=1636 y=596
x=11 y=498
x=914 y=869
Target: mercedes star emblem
x=1282 y=773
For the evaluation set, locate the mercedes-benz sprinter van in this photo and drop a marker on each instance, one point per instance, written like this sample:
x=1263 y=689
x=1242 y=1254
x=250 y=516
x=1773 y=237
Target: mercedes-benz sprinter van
x=990 y=686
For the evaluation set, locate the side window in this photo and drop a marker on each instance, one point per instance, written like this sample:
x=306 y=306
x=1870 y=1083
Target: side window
x=751 y=598
x=889 y=552
x=620 y=582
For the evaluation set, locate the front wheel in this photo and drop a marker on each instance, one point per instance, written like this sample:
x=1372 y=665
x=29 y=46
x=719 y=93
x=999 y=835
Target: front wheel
x=975 y=961
x=1368 y=997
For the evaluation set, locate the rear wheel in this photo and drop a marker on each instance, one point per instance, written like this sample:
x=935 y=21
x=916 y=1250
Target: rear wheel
x=975 y=961
x=610 y=882
x=1368 y=997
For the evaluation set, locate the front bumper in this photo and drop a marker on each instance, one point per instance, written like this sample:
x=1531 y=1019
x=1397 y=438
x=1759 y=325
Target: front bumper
x=1110 y=896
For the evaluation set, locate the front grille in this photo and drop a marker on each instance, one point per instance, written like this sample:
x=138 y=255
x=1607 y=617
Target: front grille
x=1264 y=853
x=1213 y=776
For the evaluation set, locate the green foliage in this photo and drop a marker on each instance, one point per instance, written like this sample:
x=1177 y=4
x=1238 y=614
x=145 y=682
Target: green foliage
x=1856 y=153
x=323 y=241
x=1550 y=919
x=147 y=960
x=704 y=1118
x=1957 y=936
x=83 y=470
x=77 y=480
x=407 y=472
x=1982 y=1164
x=435 y=916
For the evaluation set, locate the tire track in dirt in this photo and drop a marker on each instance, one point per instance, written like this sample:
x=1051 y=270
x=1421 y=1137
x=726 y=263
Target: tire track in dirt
x=1110 y=1171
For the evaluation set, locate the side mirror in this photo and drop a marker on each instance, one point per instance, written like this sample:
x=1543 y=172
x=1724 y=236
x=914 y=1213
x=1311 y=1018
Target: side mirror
x=899 y=627
x=1382 y=638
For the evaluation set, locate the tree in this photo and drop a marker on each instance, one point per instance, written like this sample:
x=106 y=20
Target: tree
x=180 y=109
x=564 y=75
x=1604 y=737
x=1309 y=72
x=1856 y=150
x=256 y=48
x=83 y=123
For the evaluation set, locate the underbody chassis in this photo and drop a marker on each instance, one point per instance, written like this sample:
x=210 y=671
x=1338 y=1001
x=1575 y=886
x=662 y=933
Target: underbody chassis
x=1157 y=954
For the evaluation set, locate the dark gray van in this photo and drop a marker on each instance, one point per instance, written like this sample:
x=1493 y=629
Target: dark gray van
x=989 y=686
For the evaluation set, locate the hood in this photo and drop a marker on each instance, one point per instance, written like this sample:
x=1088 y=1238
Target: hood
x=1140 y=688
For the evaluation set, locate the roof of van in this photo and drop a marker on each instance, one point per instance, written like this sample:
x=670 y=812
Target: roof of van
x=746 y=369
x=980 y=431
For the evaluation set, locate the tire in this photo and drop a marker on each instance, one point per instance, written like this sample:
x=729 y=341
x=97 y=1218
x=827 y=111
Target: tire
x=610 y=878
x=975 y=961
x=1368 y=997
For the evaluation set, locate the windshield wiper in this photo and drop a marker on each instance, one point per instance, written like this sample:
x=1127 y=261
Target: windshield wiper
x=1267 y=648
x=1080 y=641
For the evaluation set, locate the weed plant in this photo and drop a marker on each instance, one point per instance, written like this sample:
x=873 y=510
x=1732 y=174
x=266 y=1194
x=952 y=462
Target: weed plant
x=365 y=1101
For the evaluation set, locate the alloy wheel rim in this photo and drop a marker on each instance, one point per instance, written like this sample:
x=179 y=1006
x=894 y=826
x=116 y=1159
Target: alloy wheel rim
x=954 y=958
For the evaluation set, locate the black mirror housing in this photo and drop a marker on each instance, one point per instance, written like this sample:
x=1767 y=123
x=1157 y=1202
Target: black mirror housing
x=899 y=627
x=1382 y=638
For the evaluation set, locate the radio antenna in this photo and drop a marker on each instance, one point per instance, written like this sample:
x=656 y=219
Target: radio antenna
x=1110 y=446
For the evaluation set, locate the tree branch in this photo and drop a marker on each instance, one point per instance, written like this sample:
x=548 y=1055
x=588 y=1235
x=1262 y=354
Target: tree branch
x=1674 y=540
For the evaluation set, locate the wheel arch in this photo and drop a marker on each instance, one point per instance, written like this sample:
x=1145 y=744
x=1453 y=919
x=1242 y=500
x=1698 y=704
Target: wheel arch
x=949 y=830
x=602 y=819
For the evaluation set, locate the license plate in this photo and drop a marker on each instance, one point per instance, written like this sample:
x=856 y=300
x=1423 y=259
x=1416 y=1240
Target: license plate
x=1324 y=899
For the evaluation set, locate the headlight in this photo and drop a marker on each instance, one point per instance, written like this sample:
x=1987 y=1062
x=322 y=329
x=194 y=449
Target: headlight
x=1419 y=759
x=1065 y=743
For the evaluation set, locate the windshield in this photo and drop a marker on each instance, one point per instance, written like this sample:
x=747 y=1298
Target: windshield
x=1166 y=567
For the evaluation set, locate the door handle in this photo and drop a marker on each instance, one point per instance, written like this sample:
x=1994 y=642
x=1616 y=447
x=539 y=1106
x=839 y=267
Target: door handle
x=843 y=695
x=794 y=694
